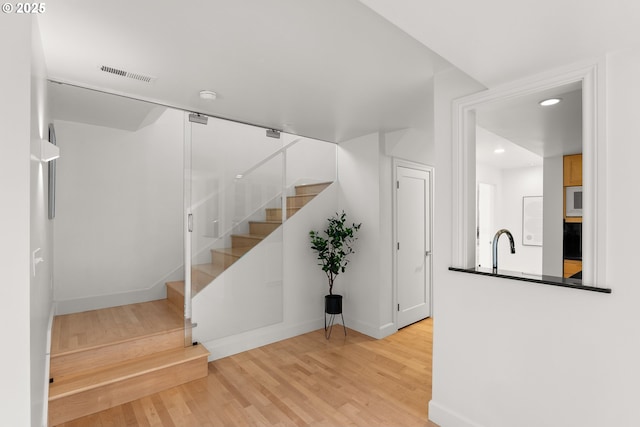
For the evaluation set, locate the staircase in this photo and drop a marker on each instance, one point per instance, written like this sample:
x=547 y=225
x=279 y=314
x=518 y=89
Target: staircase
x=104 y=358
x=221 y=259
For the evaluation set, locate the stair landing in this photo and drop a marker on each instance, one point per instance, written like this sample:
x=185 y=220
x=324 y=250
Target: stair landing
x=77 y=331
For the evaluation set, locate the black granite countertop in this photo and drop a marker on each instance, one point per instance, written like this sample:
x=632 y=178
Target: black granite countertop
x=573 y=283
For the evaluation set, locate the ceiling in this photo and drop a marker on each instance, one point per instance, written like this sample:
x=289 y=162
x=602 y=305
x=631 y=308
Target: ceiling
x=328 y=69
x=498 y=41
x=527 y=130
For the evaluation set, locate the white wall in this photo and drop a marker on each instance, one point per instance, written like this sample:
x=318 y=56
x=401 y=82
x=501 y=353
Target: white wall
x=358 y=176
x=15 y=45
x=300 y=170
x=118 y=223
x=365 y=171
x=23 y=226
x=552 y=264
x=517 y=183
x=41 y=296
x=509 y=353
x=616 y=338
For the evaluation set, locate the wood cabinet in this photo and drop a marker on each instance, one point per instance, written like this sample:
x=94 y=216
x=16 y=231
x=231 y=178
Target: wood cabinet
x=572 y=177
x=572 y=170
x=571 y=267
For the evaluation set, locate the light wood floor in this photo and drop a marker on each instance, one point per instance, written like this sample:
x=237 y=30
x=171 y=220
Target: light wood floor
x=302 y=381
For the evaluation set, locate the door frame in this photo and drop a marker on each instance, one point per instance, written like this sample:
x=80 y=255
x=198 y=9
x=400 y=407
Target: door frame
x=426 y=168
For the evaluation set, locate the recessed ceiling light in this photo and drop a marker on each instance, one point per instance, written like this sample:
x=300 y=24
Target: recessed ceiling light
x=499 y=150
x=208 y=95
x=550 y=101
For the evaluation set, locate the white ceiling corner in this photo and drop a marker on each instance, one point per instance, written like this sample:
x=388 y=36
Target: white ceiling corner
x=499 y=41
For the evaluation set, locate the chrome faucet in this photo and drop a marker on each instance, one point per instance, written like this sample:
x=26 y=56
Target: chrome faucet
x=495 y=246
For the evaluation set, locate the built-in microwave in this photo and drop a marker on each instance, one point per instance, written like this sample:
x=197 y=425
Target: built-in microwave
x=572 y=241
x=573 y=201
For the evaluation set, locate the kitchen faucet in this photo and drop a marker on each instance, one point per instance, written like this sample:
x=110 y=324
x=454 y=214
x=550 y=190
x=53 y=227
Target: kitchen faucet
x=495 y=246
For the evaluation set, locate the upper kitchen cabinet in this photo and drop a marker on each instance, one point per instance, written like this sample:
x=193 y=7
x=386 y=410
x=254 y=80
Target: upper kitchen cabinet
x=573 y=170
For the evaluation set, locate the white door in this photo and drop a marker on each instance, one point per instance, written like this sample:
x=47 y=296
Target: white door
x=413 y=244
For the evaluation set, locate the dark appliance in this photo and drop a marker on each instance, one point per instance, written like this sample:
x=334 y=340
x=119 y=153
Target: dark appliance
x=572 y=241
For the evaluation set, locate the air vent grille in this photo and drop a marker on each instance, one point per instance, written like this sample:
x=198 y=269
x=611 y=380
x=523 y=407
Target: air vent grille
x=128 y=74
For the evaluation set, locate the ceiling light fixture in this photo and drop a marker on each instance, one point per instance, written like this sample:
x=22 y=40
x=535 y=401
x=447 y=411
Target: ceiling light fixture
x=208 y=95
x=499 y=150
x=550 y=101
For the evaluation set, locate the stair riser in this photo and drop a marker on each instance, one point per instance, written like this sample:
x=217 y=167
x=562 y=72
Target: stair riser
x=262 y=228
x=222 y=260
x=200 y=278
x=66 y=364
x=94 y=400
x=176 y=298
x=243 y=242
x=275 y=214
x=299 y=201
x=311 y=189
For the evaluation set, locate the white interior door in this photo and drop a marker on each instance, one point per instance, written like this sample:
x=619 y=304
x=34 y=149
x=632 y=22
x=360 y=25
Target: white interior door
x=413 y=244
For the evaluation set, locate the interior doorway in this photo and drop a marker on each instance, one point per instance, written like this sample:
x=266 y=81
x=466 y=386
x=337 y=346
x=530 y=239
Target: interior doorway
x=412 y=241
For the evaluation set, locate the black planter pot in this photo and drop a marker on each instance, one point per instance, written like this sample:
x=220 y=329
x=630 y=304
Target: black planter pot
x=333 y=304
x=332 y=307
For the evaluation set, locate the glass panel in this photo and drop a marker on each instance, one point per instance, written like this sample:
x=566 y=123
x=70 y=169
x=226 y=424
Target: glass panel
x=236 y=182
x=308 y=162
x=240 y=183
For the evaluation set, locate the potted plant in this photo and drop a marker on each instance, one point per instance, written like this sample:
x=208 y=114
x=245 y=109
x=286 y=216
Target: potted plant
x=333 y=247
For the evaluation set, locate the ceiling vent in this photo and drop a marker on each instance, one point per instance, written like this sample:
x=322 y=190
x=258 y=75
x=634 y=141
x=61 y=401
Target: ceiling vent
x=128 y=74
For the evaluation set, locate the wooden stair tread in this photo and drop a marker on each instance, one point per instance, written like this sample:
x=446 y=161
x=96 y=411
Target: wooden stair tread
x=250 y=236
x=96 y=328
x=72 y=384
x=300 y=196
x=178 y=287
x=236 y=252
x=115 y=342
x=265 y=222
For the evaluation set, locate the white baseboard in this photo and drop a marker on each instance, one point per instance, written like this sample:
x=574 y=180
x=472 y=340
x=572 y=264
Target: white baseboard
x=155 y=291
x=103 y=301
x=363 y=327
x=386 y=330
x=445 y=417
x=249 y=340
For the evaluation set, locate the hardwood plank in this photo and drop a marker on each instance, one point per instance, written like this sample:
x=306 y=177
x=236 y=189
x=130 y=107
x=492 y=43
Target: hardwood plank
x=88 y=329
x=304 y=381
x=102 y=375
x=110 y=388
x=68 y=363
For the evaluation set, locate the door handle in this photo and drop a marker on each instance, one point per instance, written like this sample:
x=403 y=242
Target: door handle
x=427 y=253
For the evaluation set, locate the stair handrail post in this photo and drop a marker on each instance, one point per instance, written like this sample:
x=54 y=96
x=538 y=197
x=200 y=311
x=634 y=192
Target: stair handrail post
x=187 y=225
x=284 y=181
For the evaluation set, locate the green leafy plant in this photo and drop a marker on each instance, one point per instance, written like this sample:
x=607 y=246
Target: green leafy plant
x=334 y=249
